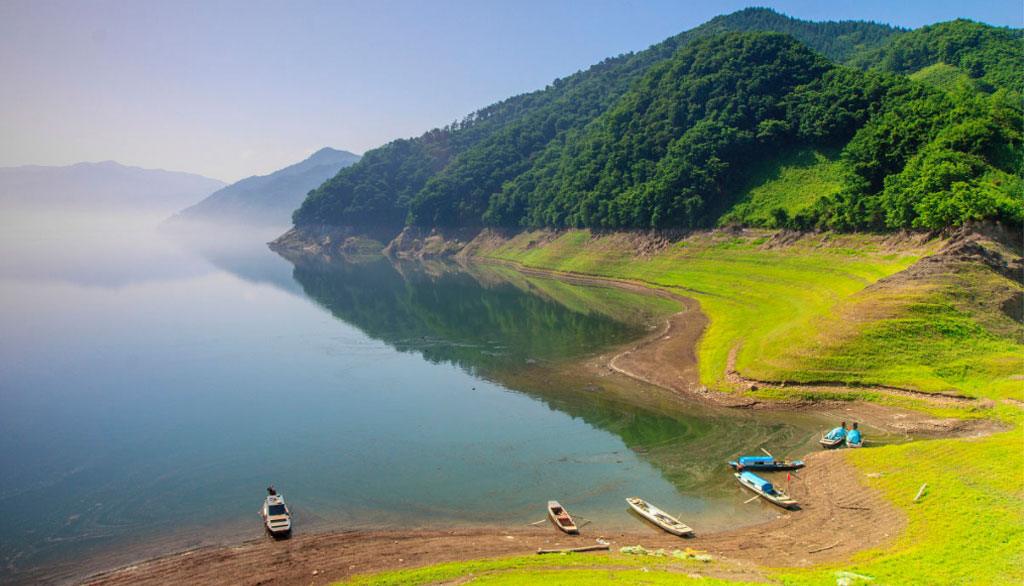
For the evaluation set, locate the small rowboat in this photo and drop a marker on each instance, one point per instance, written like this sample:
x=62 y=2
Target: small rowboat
x=561 y=518
x=765 y=489
x=765 y=463
x=831 y=443
x=276 y=516
x=660 y=518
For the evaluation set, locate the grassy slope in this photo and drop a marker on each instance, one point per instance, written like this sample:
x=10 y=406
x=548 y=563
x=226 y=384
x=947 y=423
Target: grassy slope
x=968 y=526
x=766 y=299
x=945 y=332
x=792 y=181
x=568 y=568
x=942 y=76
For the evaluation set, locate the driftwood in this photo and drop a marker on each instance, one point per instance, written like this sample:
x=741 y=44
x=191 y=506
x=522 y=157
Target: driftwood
x=575 y=549
x=920 y=492
x=824 y=548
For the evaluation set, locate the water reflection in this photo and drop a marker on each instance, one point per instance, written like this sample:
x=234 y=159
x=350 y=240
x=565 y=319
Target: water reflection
x=482 y=321
x=534 y=335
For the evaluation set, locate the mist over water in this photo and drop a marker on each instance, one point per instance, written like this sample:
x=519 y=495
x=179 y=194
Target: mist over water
x=152 y=387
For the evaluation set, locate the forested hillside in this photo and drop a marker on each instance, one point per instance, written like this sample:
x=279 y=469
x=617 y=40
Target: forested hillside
x=672 y=136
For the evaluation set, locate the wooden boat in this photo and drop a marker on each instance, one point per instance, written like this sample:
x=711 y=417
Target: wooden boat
x=561 y=518
x=276 y=516
x=660 y=518
x=831 y=443
x=765 y=463
x=765 y=489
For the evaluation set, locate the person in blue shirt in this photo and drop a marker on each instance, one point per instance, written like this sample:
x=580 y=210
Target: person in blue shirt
x=837 y=433
x=854 y=436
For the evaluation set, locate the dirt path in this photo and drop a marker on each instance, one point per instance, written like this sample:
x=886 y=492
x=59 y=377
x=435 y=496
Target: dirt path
x=836 y=510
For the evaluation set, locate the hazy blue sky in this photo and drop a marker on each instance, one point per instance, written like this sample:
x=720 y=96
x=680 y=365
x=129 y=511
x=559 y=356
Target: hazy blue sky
x=230 y=89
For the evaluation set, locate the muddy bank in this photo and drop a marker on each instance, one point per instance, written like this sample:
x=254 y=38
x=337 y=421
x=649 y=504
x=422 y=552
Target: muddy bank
x=833 y=504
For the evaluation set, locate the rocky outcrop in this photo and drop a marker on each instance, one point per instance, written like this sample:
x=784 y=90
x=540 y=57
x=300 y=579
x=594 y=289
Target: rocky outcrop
x=430 y=243
x=331 y=241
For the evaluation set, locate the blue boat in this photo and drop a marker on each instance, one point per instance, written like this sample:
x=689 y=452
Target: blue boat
x=765 y=489
x=765 y=463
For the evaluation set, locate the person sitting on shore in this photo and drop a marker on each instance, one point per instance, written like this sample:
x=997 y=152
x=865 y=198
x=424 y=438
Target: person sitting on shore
x=837 y=433
x=854 y=436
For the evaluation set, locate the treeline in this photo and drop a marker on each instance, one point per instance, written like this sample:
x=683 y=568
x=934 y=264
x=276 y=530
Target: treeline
x=667 y=136
x=993 y=57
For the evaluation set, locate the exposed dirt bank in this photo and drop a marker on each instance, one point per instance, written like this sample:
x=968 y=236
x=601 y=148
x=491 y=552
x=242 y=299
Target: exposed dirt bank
x=837 y=512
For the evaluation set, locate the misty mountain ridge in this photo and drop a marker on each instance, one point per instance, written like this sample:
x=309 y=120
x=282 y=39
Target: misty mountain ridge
x=103 y=186
x=268 y=200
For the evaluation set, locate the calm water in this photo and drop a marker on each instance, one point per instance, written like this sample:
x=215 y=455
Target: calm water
x=150 y=392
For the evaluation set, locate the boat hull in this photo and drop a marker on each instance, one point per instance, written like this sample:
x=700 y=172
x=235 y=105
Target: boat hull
x=657 y=517
x=780 y=465
x=831 y=444
x=780 y=500
x=562 y=519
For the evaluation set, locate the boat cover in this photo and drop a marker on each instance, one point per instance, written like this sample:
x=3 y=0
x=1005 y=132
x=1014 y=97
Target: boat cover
x=837 y=433
x=755 y=460
x=757 y=481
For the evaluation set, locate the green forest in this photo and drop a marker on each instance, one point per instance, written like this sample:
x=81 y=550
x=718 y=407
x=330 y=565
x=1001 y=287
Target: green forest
x=922 y=129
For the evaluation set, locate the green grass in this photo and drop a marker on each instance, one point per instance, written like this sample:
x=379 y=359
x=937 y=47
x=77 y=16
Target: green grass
x=791 y=182
x=766 y=299
x=601 y=576
x=513 y=566
x=806 y=311
x=968 y=526
x=941 y=75
x=947 y=333
x=619 y=304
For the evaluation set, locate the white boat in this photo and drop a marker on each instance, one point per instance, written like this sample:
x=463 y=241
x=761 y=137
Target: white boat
x=660 y=518
x=276 y=516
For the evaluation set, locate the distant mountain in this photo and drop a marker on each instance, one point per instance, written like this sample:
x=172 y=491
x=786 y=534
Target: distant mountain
x=102 y=186
x=269 y=199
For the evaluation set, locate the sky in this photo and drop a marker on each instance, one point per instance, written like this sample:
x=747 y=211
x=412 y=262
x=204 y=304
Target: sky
x=239 y=88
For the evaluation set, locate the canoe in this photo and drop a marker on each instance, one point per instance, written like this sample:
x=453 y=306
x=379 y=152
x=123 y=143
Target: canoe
x=561 y=518
x=765 y=463
x=765 y=489
x=276 y=516
x=660 y=518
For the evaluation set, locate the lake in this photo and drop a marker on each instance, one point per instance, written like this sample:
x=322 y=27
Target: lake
x=151 y=390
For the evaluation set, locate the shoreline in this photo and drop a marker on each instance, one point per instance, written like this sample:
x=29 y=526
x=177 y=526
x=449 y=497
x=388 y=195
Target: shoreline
x=833 y=502
x=646 y=360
